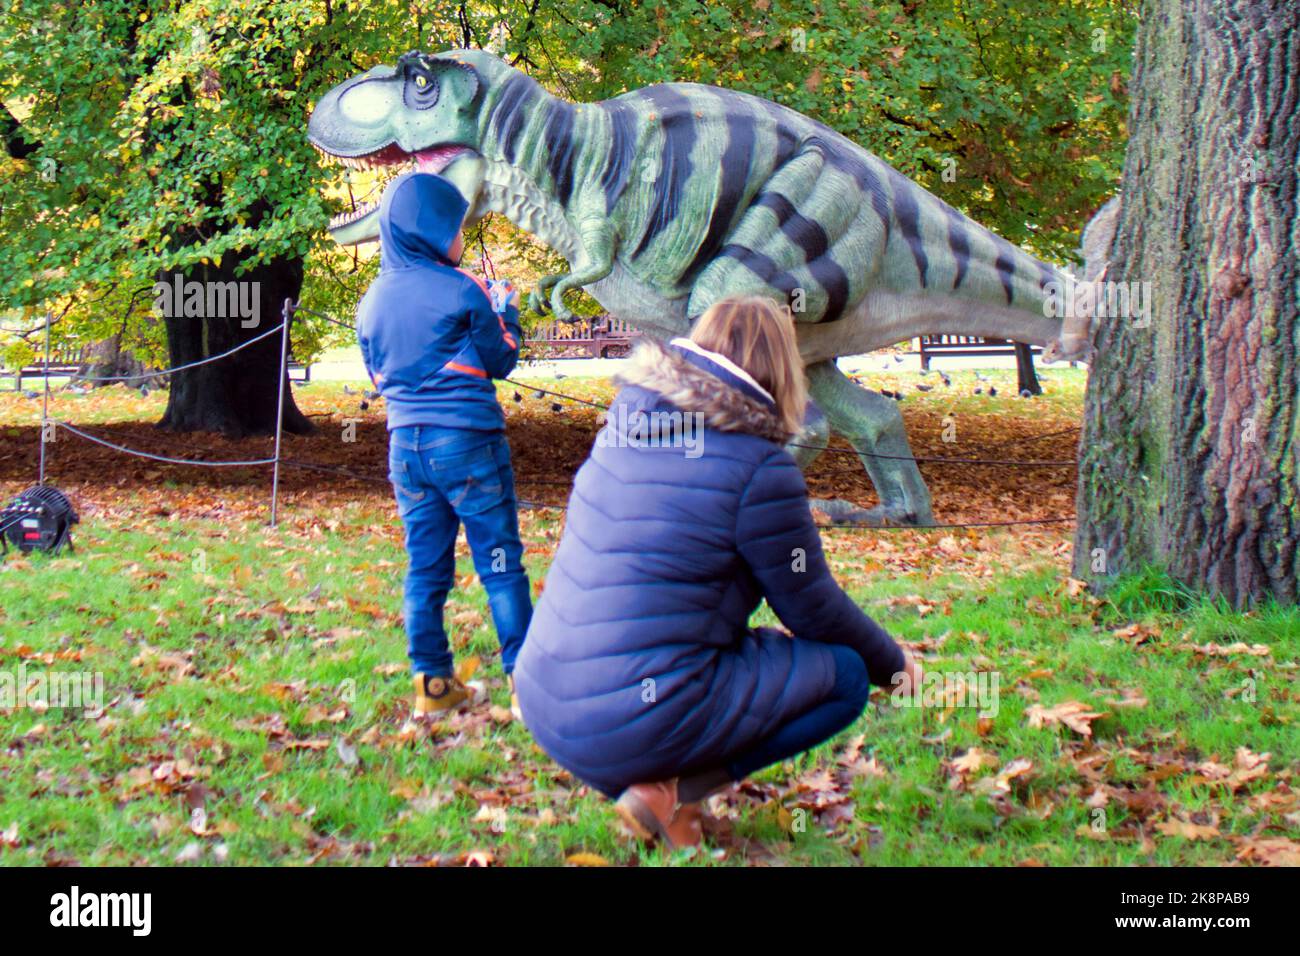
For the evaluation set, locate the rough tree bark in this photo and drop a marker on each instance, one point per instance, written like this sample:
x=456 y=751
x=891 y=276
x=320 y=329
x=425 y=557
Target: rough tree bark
x=235 y=396
x=1188 y=457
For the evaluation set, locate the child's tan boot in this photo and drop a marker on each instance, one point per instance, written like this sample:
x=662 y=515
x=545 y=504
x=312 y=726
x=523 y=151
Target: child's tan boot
x=437 y=695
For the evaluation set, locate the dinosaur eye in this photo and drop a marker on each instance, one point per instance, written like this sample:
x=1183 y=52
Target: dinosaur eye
x=420 y=92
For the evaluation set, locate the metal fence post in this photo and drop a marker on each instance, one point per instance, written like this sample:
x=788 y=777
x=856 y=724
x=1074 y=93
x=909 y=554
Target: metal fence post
x=287 y=316
x=45 y=402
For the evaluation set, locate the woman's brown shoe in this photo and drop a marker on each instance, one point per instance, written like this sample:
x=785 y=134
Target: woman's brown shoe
x=651 y=812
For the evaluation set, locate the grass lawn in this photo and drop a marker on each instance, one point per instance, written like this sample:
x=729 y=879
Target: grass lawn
x=255 y=689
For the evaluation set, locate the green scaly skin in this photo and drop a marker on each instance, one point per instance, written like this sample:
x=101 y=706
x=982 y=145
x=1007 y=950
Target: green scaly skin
x=669 y=198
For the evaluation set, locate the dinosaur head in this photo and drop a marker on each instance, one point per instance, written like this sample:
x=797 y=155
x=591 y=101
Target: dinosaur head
x=420 y=114
x=1077 y=331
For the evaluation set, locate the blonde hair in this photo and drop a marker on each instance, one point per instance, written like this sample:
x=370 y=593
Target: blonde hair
x=758 y=335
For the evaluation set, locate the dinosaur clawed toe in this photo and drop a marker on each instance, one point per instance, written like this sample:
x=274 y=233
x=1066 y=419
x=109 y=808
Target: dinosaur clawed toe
x=881 y=516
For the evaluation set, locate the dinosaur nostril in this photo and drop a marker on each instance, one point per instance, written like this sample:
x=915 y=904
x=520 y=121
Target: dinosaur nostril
x=367 y=103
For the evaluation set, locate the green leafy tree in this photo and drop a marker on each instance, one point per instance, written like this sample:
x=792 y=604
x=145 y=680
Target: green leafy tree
x=146 y=139
x=152 y=140
x=1013 y=113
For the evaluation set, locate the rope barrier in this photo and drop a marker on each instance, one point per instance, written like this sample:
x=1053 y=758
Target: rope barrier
x=1060 y=463
x=179 y=368
x=1057 y=463
x=328 y=318
x=1050 y=463
x=277 y=460
x=163 y=458
x=546 y=391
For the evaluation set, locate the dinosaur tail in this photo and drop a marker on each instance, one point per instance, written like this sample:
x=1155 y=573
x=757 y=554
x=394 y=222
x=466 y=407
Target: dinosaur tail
x=952 y=253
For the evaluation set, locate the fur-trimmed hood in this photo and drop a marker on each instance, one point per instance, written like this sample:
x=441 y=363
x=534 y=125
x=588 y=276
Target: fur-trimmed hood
x=707 y=388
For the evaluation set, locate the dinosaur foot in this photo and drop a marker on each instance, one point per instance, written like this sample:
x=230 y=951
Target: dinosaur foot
x=881 y=516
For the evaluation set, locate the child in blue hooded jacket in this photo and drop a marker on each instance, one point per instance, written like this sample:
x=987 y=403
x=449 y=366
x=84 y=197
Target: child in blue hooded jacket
x=433 y=339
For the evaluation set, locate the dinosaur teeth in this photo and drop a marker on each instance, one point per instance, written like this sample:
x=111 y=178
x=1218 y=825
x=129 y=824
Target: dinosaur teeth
x=346 y=218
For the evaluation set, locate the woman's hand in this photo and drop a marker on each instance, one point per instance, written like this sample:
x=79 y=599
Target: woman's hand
x=913 y=670
x=906 y=684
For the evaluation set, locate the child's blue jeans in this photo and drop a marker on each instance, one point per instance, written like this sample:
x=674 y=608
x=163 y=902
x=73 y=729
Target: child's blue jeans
x=442 y=478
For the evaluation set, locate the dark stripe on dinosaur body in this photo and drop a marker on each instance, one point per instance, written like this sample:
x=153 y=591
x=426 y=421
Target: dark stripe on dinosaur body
x=831 y=277
x=864 y=177
x=958 y=242
x=622 y=151
x=1005 y=264
x=1046 y=274
x=787 y=137
x=731 y=190
x=761 y=265
x=511 y=111
x=908 y=214
x=677 y=123
x=782 y=207
x=558 y=136
x=808 y=234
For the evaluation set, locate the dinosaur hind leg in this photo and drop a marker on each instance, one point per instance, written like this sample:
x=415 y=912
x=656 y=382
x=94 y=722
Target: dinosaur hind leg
x=807 y=446
x=873 y=425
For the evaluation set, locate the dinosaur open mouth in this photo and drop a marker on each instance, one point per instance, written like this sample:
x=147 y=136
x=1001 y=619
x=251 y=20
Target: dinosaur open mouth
x=389 y=162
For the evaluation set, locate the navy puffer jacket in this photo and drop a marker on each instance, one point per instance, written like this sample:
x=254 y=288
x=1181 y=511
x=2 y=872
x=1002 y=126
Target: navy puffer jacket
x=639 y=664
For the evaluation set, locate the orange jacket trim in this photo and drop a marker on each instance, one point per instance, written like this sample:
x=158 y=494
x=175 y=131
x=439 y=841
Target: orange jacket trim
x=467 y=369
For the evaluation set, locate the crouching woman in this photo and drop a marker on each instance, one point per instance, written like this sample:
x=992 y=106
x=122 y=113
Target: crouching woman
x=640 y=673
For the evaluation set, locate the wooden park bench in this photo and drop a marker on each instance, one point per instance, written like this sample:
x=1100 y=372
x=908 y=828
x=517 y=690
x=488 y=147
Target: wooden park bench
x=599 y=337
x=68 y=363
x=64 y=363
x=945 y=343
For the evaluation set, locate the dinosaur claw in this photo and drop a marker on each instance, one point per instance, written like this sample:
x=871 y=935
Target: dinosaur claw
x=562 y=312
x=841 y=512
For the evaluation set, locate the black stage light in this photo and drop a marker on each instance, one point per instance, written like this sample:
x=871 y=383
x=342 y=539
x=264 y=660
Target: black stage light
x=40 y=519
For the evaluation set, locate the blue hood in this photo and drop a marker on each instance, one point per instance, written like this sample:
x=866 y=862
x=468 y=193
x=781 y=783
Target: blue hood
x=419 y=217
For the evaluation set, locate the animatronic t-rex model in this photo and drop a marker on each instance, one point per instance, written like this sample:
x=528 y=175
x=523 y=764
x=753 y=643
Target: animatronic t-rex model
x=668 y=198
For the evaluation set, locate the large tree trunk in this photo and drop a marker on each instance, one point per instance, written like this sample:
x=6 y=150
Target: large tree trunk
x=236 y=396
x=1188 y=458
